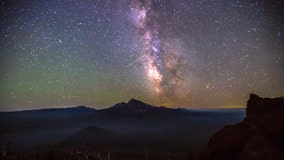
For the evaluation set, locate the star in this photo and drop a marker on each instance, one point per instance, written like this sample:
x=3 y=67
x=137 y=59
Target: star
x=97 y=53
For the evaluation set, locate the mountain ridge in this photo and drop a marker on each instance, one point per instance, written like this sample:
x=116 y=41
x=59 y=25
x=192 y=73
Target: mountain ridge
x=78 y=108
x=132 y=103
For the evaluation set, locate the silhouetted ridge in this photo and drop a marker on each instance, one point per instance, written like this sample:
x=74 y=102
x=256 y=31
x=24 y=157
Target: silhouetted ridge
x=257 y=104
x=80 y=109
x=258 y=137
x=68 y=109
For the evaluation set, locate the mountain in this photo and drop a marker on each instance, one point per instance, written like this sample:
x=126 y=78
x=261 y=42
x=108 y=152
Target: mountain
x=138 y=109
x=136 y=124
x=124 y=127
x=258 y=137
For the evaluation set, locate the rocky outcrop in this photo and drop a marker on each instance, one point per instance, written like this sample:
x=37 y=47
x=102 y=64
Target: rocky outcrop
x=260 y=136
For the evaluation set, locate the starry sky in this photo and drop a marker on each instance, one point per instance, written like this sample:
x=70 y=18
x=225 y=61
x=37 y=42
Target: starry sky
x=176 y=53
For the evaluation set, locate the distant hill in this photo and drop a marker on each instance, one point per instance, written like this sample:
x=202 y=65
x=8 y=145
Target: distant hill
x=91 y=137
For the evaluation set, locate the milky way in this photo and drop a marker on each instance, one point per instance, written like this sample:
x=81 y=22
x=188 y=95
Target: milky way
x=160 y=57
x=161 y=60
x=176 y=53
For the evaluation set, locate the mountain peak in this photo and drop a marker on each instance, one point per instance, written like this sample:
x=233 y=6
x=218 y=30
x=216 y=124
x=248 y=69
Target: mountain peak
x=132 y=106
x=135 y=102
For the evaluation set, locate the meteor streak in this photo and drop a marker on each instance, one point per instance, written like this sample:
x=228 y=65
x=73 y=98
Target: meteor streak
x=136 y=60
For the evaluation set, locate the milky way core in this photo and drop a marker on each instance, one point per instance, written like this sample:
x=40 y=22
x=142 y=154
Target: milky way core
x=162 y=54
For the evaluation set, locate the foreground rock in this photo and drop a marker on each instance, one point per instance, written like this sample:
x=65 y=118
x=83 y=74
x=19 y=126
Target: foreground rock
x=260 y=136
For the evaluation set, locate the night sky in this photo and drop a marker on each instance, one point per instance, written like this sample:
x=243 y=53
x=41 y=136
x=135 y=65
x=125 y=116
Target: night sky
x=176 y=53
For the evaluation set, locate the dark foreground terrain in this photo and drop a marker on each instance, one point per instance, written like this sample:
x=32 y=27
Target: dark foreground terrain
x=260 y=136
x=136 y=130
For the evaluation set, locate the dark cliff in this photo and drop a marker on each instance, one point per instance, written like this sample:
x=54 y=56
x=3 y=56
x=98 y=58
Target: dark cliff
x=260 y=136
